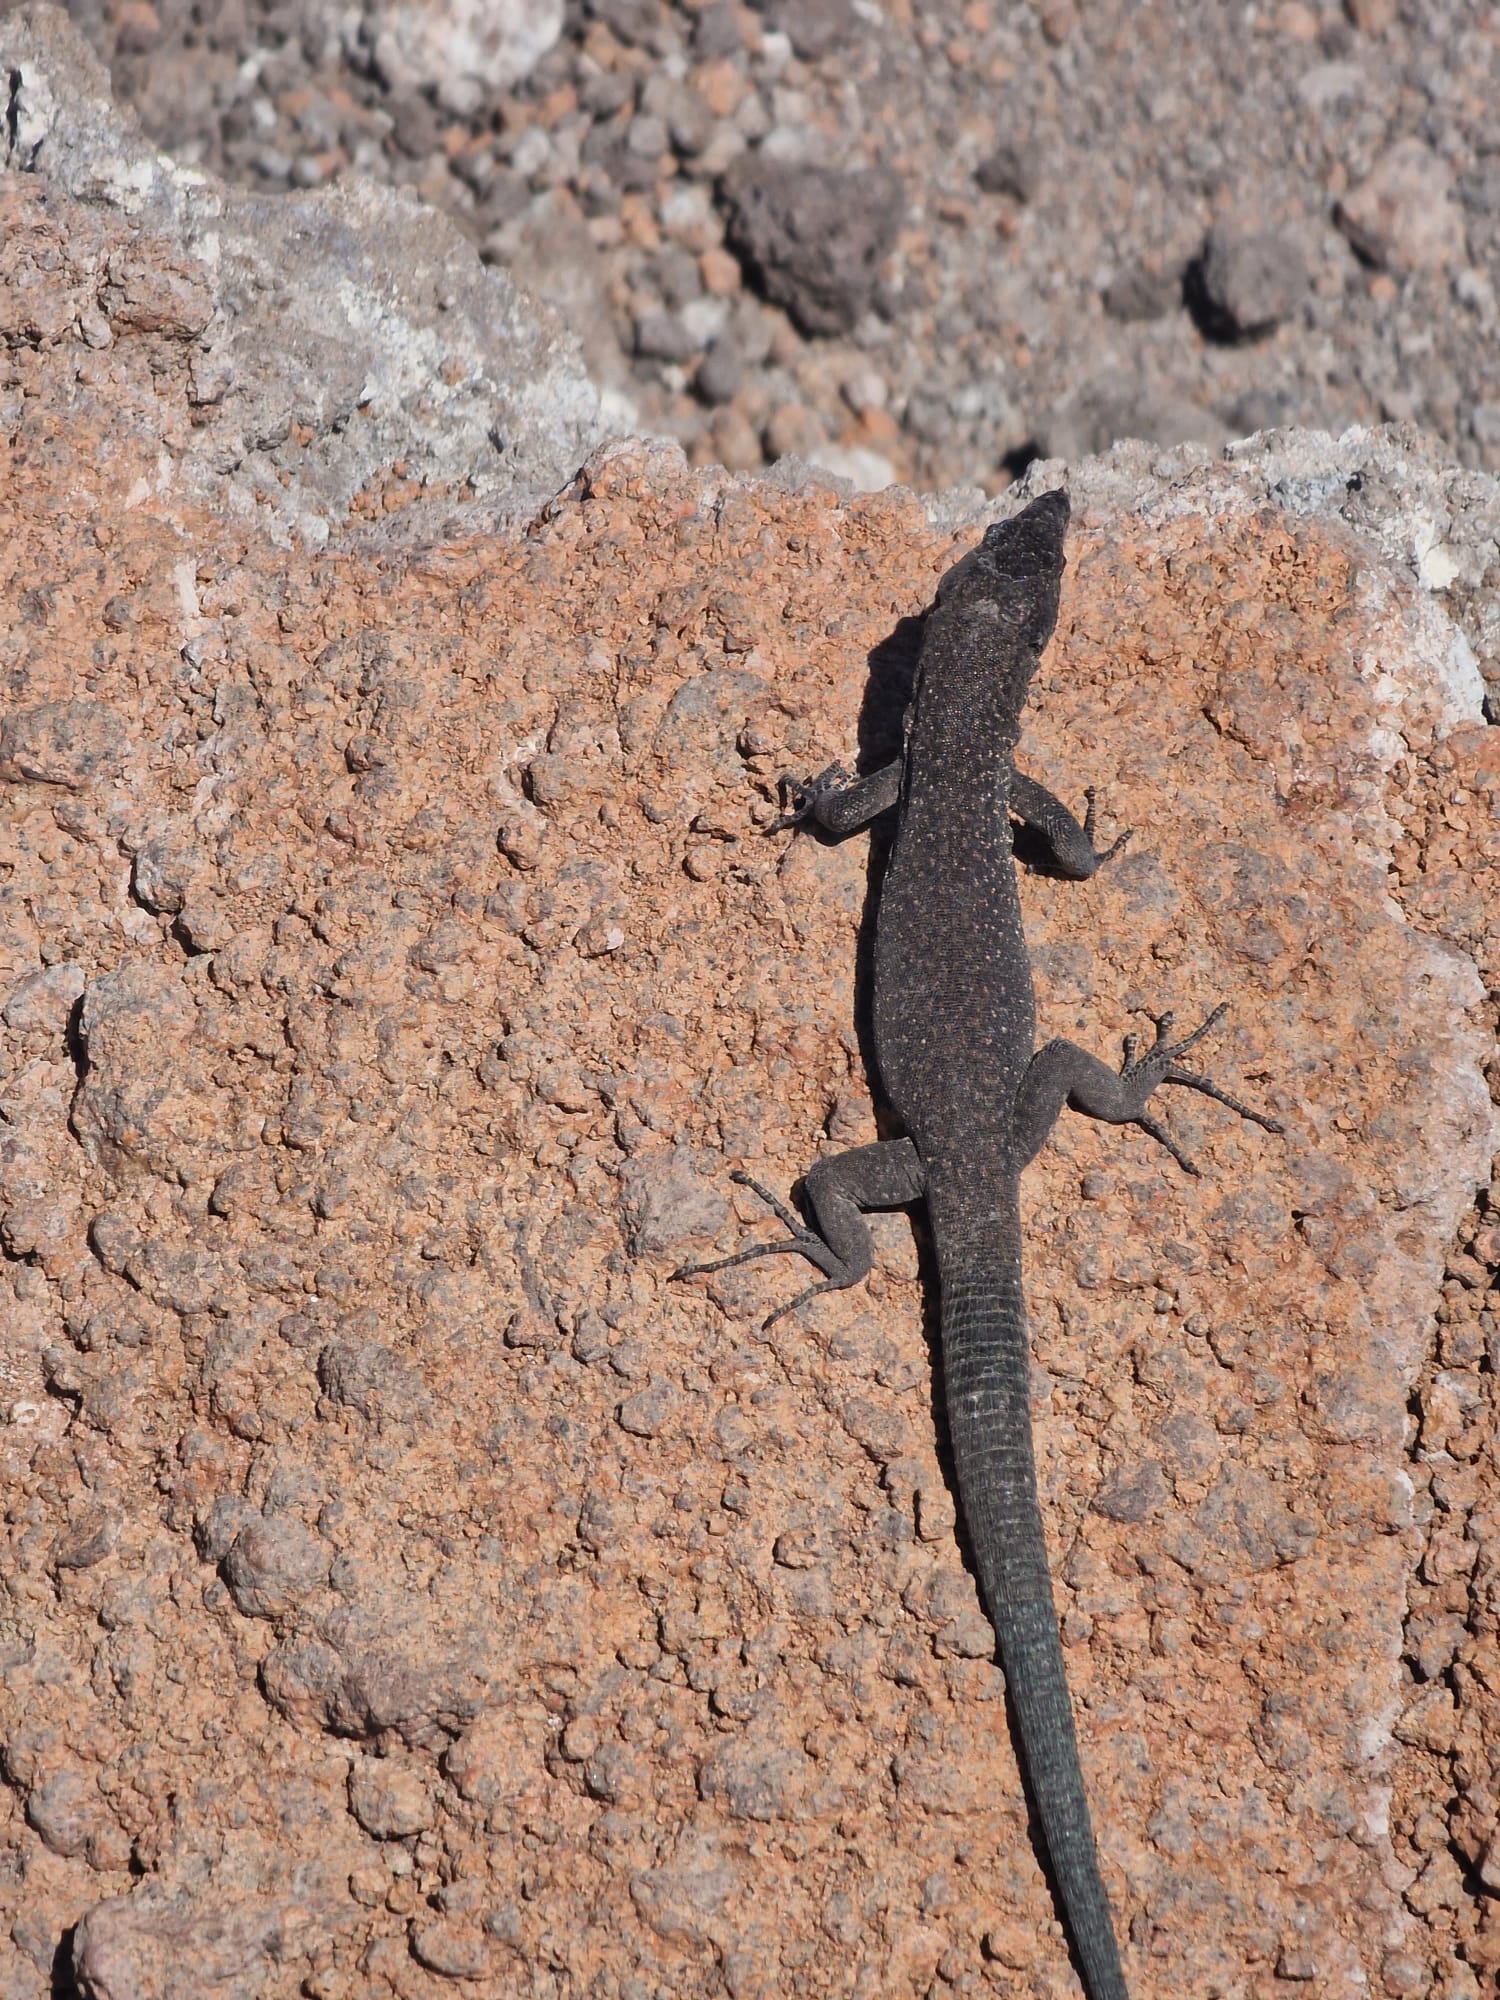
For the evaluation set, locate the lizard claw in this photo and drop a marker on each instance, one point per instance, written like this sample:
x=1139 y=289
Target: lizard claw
x=1160 y=1065
x=803 y=795
x=1091 y=803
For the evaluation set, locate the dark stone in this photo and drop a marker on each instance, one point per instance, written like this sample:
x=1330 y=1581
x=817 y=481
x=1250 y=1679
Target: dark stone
x=1245 y=283
x=721 y=373
x=1007 y=171
x=813 y=27
x=812 y=238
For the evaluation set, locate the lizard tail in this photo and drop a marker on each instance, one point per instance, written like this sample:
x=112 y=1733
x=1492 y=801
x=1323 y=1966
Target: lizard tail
x=986 y=1364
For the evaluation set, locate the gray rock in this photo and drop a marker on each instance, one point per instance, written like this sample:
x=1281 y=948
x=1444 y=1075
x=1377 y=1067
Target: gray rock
x=1133 y=1493
x=663 y=337
x=1402 y=216
x=1140 y=293
x=1120 y=406
x=813 y=27
x=1248 y=282
x=65 y=1811
x=388 y=1798
x=44 y=999
x=372 y=1380
x=721 y=373
x=307 y=310
x=668 y=1203
x=489 y=45
x=812 y=238
x=64 y=743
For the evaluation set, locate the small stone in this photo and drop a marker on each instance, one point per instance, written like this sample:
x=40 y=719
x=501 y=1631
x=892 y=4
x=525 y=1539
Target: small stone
x=792 y=431
x=389 y=1798
x=813 y=238
x=1371 y=17
x=1402 y=216
x=716 y=32
x=720 y=374
x=1248 y=282
x=275 y=1562
x=735 y=441
x=1133 y=1493
x=1141 y=293
x=661 y=336
x=452 y=1949
x=647 y=137
x=65 y=743
x=165 y=873
x=754 y=1780
x=1008 y=170
x=813 y=27
x=45 y=999
x=65 y=1811
x=648 y=1413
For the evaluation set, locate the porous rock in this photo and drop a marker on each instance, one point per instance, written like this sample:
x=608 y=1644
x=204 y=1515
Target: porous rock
x=291 y=352
x=305 y=1179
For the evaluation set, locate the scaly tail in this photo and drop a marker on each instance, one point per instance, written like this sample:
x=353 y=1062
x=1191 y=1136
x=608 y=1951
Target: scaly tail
x=986 y=1365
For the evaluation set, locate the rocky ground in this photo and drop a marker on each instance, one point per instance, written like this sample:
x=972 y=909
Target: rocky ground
x=405 y=1588
x=922 y=241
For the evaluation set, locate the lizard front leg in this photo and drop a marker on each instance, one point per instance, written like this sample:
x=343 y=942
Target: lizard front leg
x=839 y=803
x=840 y=1190
x=1062 y=1073
x=1072 y=846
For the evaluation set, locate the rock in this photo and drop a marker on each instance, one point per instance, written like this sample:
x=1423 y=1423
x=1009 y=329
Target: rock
x=1402 y=216
x=322 y=336
x=44 y=1000
x=1247 y=282
x=65 y=1811
x=1114 y=407
x=388 y=1798
x=66 y=743
x=814 y=27
x=490 y=44
x=812 y=238
x=668 y=1201
x=412 y=1104
x=452 y=1949
x=215 y=1933
x=371 y=1380
x=754 y=1778
x=1133 y=1492
x=1008 y=170
x=275 y=1562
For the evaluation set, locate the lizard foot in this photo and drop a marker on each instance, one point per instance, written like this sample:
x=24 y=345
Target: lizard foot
x=801 y=797
x=800 y=1241
x=1088 y=830
x=1160 y=1065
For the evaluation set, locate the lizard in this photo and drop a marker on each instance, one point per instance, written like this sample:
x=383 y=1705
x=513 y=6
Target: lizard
x=954 y=1043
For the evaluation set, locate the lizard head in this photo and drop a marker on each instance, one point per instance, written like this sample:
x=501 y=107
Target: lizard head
x=1011 y=583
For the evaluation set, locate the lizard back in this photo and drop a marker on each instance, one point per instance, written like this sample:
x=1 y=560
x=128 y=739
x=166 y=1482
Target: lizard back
x=954 y=1019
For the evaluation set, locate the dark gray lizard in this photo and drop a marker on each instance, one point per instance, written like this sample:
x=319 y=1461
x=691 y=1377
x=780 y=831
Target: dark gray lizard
x=954 y=1019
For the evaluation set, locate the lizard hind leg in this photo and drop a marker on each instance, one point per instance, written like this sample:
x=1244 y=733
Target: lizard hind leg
x=839 y=1191
x=1062 y=1074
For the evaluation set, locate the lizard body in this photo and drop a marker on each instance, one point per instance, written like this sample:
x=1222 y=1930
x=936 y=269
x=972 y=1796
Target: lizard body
x=954 y=1019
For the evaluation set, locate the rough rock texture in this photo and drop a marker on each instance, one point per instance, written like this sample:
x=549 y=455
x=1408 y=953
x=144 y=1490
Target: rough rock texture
x=813 y=237
x=405 y=1584
x=1061 y=169
x=293 y=361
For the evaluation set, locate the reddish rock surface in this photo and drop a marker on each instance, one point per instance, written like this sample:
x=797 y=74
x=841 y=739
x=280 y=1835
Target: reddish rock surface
x=408 y=1589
